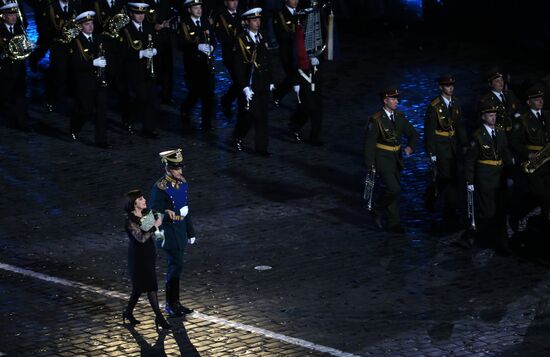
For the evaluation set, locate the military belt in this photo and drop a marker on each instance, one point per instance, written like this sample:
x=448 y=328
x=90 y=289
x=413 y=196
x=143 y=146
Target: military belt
x=534 y=147
x=388 y=147
x=445 y=133
x=490 y=162
x=178 y=218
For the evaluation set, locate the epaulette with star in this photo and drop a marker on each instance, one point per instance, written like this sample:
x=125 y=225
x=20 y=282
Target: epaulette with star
x=162 y=183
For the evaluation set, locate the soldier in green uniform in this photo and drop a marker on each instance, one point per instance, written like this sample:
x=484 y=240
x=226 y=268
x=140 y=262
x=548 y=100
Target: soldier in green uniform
x=169 y=196
x=487 y=164
x=529 y=137
x=444 y=134
x=504 y=100
x=383 y=153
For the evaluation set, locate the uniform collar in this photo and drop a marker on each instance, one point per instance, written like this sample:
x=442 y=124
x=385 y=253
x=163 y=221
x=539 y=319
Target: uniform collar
x=489 y=129
x=175 y=183
x=388 y=113
x=535 y=112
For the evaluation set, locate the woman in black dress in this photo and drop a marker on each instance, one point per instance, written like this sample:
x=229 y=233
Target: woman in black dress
x=142 y=257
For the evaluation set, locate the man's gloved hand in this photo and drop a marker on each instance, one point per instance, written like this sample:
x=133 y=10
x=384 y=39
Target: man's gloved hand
x=204 y=48
x=296 y=89
x=148 y=53
x=470 y=188
x=191 y=240
x=154 y=51
x=433 y=158
x=314 y=61
x=99 y=62
x=271 y=87
x=248 y=93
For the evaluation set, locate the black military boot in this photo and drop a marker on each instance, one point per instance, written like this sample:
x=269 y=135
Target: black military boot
x=169 y=307
x=182 y=309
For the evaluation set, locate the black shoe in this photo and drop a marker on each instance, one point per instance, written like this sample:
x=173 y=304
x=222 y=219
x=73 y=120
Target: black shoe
x=150 y=135
x=172 y=311
x=398 y=229
x=238 y=145
x=263 y=153
x=130 y=317
x=184 y=310
x=295 y=135
x=160 y=320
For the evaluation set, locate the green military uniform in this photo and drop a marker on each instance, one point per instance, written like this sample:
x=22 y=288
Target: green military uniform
x=383 y=152
x=530 y=136
x=487 y=163
x=444 y=131
x=507 y=104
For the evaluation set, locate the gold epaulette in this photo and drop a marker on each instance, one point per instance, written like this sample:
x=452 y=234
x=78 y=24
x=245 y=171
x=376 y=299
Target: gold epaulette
x=135 y=44
x=162 y=183
x=436 y=101
x=248 y=55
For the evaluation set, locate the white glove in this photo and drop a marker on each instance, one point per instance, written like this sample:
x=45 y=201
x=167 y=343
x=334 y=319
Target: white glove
x=204 y=48
x=470 y=188
x=191 y=240
x=433 y=158
x=271 y=87
x=99 y=62
x=184 y=210
x=148 y=53
x=314 y=61
x=296 y=89
x=154 y=50
x=248 y=93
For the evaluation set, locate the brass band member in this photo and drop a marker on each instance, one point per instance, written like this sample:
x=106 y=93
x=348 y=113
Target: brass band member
x=253 y=73
x=227 y=25
x=284 y=23
x=487 y=165
x=529 y=137
x=198 y=43
x=89 y=65
x=504 y=100
x=383 y=152
x=445 y=136
x=12 y=72
x=139 y=50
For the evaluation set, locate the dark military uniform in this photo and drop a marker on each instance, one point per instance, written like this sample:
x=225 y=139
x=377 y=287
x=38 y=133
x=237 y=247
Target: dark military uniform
x=170 y=194
x=160 y=11
x=12 y=82
x=507 y=105
x=487 y=164
x=227 y=27
x=199 y=70
x=144 y=103
x=89 y=92
x=252 y=69
x=383 y=152
x=444 y=133
x=285 y=30
x=57 y=79
x=530 y=136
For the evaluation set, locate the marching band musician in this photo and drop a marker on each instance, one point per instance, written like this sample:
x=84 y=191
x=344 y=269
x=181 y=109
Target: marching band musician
x=445 y=135
x=227 y=24
x=58 y=16
x=12 y=71
x=253 y=73
x=104 y=11
x=88 y=62
x=504 y=100
x=139 y=50
x=284 y=23
x=383 y=152
x=198 y=44
x=160 y=16
x=529 y=137
x=487 y=165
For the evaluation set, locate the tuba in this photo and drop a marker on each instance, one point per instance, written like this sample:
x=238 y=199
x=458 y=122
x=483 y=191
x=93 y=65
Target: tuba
x=537 y=161
x=69 y=31
x=114 y=24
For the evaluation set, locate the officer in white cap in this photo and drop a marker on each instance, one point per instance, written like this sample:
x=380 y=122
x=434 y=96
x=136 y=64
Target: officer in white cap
x=139 y=50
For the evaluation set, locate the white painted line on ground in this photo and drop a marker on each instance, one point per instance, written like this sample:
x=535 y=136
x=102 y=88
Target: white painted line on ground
x=197 y=315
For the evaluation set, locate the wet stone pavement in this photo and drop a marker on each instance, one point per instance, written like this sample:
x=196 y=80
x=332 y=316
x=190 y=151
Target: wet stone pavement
x=338 y=286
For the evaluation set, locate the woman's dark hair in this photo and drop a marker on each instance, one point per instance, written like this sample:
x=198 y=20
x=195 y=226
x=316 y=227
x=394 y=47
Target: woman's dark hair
x=132 y=196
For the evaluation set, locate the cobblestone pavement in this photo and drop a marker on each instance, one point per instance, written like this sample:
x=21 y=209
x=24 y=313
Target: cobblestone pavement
x=335 y=282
